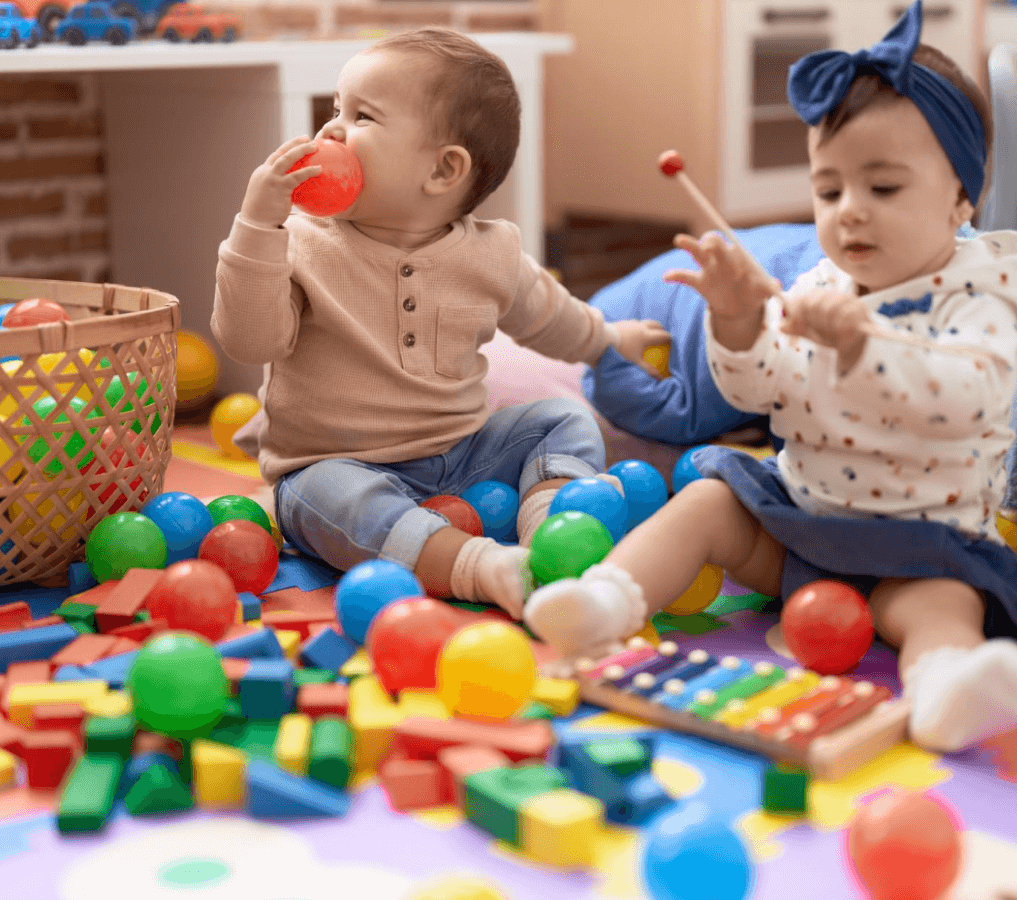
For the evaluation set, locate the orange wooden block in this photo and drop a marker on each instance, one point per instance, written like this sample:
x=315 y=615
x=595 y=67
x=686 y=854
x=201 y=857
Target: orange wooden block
x=467 y=759
x=126 y=600
x=292 y=620
x=14 y=615
x=121 y=645
x=326 y=699
x=42 y=623
x=11 y=736
x=84 y=650
x=31 y=672
x=48 y=755
x=58 y=717
x=414 y=783
x=140 y=631
x=422 y=738
x=235 y=669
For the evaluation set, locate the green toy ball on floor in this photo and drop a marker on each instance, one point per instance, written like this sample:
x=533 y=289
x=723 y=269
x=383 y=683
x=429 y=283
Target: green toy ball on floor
x=125 y=540
x=178 y=685
x=235 y=506
x=566 y=545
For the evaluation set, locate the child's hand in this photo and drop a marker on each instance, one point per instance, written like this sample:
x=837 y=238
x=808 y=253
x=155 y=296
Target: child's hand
x=268 y=199
x=830 y=318
x=635 y=336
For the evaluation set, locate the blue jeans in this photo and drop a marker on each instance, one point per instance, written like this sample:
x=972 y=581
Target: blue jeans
x=345 y=511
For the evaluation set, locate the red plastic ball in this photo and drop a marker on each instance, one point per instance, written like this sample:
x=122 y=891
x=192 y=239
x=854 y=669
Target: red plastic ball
x=245 y=551
x=195 y=595
x=406 y=638
x=34 y=311
x=827 y=625
x=905 y=846
x=120 y=460
x=338 y=185
x=459 y=513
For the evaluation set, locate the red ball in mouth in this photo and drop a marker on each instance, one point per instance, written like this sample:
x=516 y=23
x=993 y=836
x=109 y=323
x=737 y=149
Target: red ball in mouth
x=338 y=185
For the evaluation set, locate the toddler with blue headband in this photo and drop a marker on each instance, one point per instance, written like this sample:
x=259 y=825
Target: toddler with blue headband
x=893 y=465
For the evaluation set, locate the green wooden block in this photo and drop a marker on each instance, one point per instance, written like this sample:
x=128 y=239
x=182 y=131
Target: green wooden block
x=535 y=710
x=78 y=612
x=158 y=790
x=81 y=627
x=110 y=734
x=494 y=797
x=313 y=676
x=622 y=757
x=142 y=615
x=785 y=789
x=86 y=800
x=256 y=737
x=330 y=756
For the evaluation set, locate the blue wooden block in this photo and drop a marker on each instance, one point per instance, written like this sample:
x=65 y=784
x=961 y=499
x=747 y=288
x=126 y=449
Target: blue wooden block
x=644 y=798
x=33 y=643
x=250 y=605
x=113 y=669
x=260 y=644
x=136 y=765
x=267 y=690
x=79 y=578
x=327 y=650
x=71 y=673
x=273 y=793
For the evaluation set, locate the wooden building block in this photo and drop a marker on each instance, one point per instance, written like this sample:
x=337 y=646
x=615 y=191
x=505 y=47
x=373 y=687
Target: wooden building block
x=289 y=640
x=495 y=797
x=86 y=800
x=422 y=738
x=373 y=716
x=34 y=672
x=48 y=755
x=293 y=743
x=561 y=695
x=83 y=650
x=119 y=606
x=23 y=698
x=58 y=717
x=14 y=615
x=219 y=775
x=8 y=768
x=330 y=757
x=293 y=620
x=330 y=698
x=414 y=784
x=457 y=762
x=561 y=828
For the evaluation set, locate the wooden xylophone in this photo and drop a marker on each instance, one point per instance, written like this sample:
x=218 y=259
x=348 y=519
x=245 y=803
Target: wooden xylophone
x=830 y=725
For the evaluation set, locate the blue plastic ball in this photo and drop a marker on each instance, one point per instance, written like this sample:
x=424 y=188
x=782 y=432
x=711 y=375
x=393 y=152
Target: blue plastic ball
x=684 y=470
x=645 y=489
x=497 y=504
x=184 y=521
x=595 y=498
x=368 y=587
x=692 y=854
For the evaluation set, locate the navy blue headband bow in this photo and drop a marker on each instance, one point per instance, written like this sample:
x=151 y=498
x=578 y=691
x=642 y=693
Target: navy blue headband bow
x=819 y=81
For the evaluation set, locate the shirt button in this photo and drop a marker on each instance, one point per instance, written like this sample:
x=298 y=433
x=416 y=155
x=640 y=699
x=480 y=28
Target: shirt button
x=406 y=271
x=409 y=339
x=409 y=304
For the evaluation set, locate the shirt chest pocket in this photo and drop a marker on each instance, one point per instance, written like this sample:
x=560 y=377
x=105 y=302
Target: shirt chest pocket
x=461 y=332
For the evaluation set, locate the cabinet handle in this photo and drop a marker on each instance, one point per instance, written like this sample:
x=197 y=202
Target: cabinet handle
x=929 y=13
x=772 y=16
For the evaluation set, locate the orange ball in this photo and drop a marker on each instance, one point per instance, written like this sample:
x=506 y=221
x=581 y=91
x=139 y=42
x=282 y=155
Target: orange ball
x=228 y=416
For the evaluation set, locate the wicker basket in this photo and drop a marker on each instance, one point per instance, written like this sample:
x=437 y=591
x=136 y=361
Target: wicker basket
x=86 y=418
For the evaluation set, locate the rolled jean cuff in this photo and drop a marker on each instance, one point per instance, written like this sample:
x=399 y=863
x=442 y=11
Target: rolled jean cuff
x=554 y=465
x=409 y=534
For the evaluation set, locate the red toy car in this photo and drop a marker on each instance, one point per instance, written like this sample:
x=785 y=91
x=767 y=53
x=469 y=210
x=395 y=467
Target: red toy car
x=192 y=22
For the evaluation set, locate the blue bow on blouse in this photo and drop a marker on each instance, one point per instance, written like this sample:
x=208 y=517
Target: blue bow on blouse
x=818 y=82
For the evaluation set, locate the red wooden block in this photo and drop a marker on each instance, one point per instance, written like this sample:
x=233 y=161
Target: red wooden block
x=14 y=615
x=140 y=631
x=466 y=759
x=84 y=650
x=58 y=717
x=422 y=738
x=235 y=669
x=121 y=605
x=327 y=699
x=48 y=755
x=30 y=672
x=121 y=645
x=292 y=620
x=11 y=736
x=42 y=623
x=414 y=784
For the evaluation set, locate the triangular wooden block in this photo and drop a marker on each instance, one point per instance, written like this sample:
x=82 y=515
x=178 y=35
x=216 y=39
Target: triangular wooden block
x=158 y=790
x=273 y=793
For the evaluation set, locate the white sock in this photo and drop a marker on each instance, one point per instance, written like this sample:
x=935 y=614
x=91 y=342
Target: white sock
x=586 y=615
x=961 y=696
x=533 y=511
x=488 y=572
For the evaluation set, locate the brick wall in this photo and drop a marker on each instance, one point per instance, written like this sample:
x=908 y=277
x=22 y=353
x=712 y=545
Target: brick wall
x=52 y=183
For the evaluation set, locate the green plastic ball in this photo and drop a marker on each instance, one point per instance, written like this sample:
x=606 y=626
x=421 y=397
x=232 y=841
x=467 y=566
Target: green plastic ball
x=178 y=685
x=566 y=545
x=234 y=506
x=125 y=540
x=72 y=443
x=115 y=392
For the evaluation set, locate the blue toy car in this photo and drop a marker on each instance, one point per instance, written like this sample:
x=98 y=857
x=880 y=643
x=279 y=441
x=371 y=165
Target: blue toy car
x=95 y=21
x=15 y=29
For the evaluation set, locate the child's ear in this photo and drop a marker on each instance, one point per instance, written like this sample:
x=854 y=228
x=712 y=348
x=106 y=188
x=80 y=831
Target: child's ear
x=964 y=210
x=451 y=170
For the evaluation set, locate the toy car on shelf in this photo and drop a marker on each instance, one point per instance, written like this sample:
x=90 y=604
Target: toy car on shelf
x=15 y=29
x=192 y=22
x=95 y=21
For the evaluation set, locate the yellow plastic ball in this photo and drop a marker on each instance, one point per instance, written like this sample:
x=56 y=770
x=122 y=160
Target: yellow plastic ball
x=38 y=512
x=228 y=416
x=700 y=594
x=657 y=356
x=1007 y=529
x=486 y=671
x=277 y=536
x=197 y=369
x=457 y=887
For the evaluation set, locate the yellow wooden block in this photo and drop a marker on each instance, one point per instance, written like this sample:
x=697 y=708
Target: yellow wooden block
x=561 y=828
x=560 y=695
x=23 y=698
x=373 y=716
x=357 y=665
x=649 y=634
x=113 y=703
x=780 y=694
x=218 y=775
x=293 y=743
x=414 y=702
x=289 y=641
x=8 y=768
